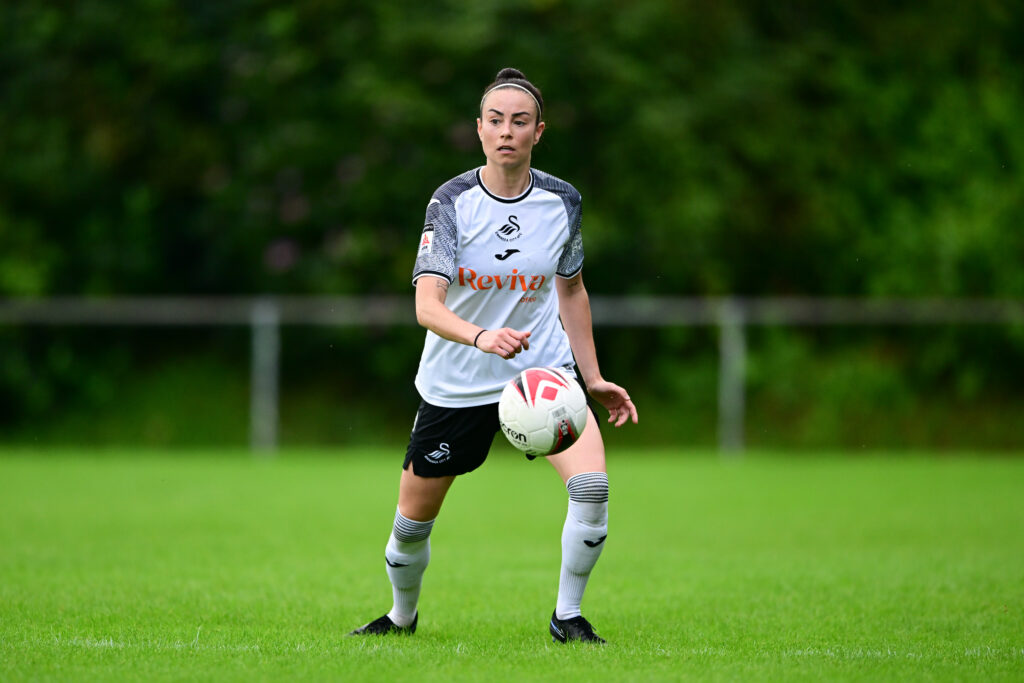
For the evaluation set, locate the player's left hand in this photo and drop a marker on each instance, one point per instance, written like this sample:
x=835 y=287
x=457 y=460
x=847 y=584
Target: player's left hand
x=615 y=399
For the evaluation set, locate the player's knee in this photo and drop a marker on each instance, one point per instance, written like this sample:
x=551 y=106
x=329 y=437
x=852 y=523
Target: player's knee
x=407 y=530
x=588 y=487
x=409 y=542
x=588 y=498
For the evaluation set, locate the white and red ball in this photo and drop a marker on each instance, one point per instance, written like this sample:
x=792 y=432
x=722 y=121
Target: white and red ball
x=542 y=411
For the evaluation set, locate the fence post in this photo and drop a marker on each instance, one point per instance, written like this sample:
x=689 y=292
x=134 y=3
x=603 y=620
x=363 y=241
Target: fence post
x=263 y=389
x=732 y=352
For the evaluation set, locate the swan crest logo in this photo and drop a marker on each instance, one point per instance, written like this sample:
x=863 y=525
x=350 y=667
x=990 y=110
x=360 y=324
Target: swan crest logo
x=442 y=454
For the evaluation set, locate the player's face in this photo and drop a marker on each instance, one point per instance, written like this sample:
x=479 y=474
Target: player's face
x=508 y=127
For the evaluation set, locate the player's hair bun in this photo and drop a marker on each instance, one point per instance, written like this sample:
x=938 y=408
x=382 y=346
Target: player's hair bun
x=514 y=77
x=508 y=73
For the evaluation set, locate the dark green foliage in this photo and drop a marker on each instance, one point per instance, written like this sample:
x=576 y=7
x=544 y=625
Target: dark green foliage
x=242 y=147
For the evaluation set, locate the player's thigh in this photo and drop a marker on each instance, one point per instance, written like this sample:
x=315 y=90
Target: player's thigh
x=420 y=498
x=586 y=455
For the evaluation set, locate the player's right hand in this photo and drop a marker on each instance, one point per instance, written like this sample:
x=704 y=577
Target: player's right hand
x=504 y=342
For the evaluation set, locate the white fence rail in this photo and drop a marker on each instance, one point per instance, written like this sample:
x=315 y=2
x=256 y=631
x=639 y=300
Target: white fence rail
x=265 y=315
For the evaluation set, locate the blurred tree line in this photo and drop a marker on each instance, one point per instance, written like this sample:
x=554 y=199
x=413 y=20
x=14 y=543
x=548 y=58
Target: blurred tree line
x=727 y=147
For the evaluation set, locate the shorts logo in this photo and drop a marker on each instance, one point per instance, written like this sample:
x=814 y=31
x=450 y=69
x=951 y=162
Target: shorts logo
x=427 y=239
x=510 y=231
x=442 y=454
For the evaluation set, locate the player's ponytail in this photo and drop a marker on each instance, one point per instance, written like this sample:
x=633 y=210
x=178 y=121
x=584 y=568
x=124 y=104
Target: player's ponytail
x=514 y=78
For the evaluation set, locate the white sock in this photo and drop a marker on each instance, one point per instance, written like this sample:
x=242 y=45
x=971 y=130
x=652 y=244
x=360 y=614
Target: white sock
x=407 y=555
x=586 y=527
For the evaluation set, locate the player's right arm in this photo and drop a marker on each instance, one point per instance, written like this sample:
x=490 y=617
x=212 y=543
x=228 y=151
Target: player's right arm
x=433 y=314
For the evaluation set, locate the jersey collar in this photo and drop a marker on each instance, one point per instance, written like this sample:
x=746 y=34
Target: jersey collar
x=504 y=200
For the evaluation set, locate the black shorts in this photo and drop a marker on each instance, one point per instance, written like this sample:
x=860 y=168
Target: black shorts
x=452 y=441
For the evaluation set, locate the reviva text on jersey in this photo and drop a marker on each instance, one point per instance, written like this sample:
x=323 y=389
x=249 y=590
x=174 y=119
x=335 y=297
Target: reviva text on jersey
x=513 y=281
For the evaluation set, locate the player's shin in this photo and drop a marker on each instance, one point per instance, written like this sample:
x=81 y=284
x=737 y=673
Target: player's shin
x=407 y=555
x=583 y=536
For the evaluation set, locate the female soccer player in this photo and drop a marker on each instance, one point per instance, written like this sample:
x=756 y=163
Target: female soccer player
x=499 y=264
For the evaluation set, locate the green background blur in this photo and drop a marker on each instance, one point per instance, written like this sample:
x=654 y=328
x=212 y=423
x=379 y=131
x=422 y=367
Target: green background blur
x=722 y=148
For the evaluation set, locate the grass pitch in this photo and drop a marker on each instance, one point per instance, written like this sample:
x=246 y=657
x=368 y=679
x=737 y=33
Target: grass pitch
x=215 y=566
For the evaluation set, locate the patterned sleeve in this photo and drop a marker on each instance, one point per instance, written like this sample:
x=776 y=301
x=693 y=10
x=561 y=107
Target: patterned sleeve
x=571 y=261
x=436 y=254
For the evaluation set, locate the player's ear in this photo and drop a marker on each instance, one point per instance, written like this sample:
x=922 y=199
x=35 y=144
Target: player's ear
x=537 y=132
x=480 y=129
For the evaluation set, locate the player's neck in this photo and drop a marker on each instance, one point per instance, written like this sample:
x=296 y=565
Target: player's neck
x=505 y=182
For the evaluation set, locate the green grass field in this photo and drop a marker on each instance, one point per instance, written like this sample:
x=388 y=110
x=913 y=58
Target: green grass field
x=215 y=566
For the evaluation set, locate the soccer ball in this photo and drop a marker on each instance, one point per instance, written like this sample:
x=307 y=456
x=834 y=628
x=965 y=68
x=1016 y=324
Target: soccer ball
x=542 y=411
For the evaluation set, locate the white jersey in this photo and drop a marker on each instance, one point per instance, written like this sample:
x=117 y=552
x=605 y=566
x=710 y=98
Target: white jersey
x=501 y=257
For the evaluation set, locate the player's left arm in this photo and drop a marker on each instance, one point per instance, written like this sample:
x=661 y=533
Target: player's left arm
x=574 y=308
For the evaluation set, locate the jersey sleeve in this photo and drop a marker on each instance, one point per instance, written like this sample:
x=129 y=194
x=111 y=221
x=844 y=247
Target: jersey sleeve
x=438 y=241
x=571 y=261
